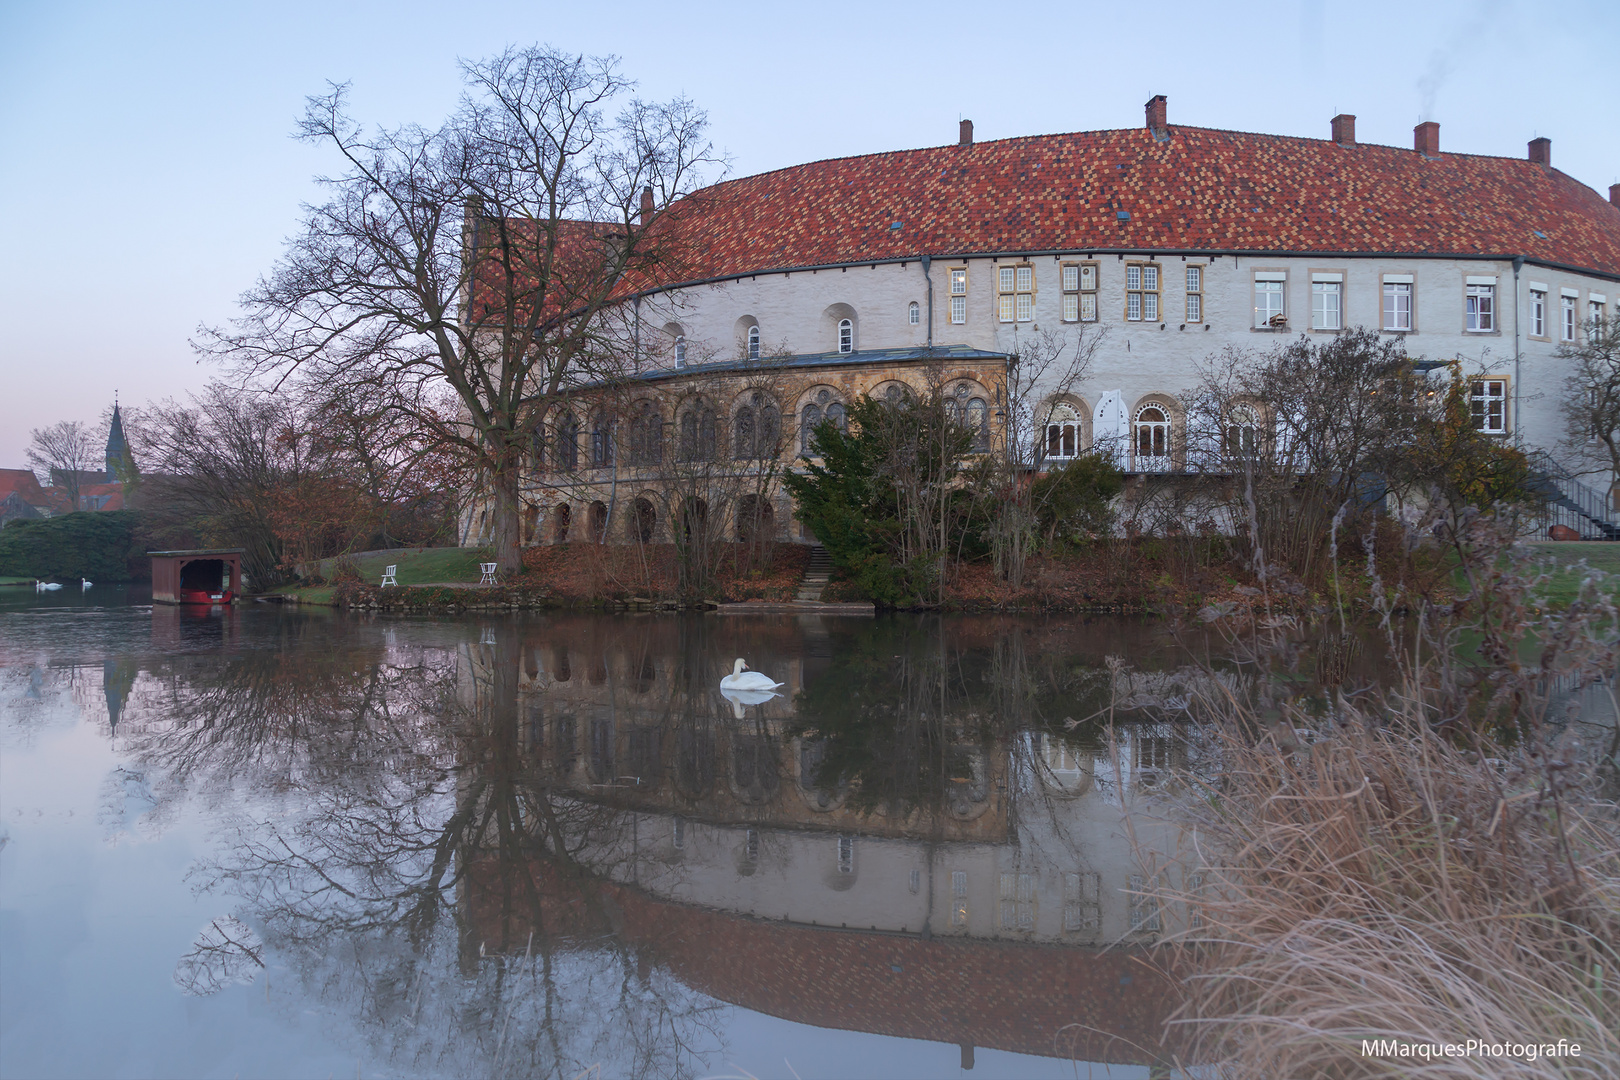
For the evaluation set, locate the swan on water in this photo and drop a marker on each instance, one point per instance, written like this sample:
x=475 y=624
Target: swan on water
x=84 y=583
x=41 y=586
x=739 y=679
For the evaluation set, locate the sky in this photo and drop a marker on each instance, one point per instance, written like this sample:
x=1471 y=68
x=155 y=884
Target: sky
x=147 y=175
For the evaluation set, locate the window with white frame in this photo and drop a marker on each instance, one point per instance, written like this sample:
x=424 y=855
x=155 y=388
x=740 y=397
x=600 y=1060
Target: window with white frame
x=1142 y=292
x=846 y=336
x=959 y=904
x=680 y=351
x=959 y=296
x=751 y=846
x=1082 y=902
x=1062 y=433
x=1269 y=299
x=1567 y=330
x=1071 y=292
x=916 y=881
x=914 y=313
x=1397 y=302
x=1088 y=292
x=846 y=854
x=1240 y=436
x=1195 y=294
x=1015 y=293
x=1487 y=399
x=1018 y=901
x=1151 y=438
x=1596 y=306
x=1480 y=305
x=753 y=343
x=1327 y=301
x=1538 y=311
x=678 y=835
x=1144 y=904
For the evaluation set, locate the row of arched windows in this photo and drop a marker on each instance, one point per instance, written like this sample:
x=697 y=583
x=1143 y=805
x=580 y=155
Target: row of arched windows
x=1152 y=434
x=841 y=320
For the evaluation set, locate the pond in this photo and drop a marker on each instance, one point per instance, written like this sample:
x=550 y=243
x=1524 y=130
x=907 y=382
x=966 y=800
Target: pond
x=271 y=841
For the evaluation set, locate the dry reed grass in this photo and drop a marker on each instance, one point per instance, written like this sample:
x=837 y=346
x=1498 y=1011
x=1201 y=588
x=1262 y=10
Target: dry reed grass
x=1374 y=881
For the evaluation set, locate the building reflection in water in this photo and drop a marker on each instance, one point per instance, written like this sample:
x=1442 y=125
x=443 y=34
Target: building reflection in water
x=535 y=845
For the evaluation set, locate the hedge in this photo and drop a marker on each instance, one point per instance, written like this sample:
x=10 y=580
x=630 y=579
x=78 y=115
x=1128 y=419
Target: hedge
x=98 y=545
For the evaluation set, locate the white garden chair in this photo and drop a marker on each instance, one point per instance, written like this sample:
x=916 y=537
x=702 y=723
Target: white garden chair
x=388 y=576
x=488 y=571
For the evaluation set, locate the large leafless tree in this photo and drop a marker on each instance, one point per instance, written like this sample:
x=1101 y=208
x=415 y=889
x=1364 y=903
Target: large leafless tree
x=62 y=452
x=1591 y=403
x=492 y=255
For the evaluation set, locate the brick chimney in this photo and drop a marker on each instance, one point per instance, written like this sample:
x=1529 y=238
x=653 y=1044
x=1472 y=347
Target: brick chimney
x=1155 y=116
x=964 y=133
x=1426 y=139
x=646 y=205
x=1344 y=129
x=1614 y=194
x=1541 y=151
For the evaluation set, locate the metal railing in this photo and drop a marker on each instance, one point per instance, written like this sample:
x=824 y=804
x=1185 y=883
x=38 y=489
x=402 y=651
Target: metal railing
x=1570 y=503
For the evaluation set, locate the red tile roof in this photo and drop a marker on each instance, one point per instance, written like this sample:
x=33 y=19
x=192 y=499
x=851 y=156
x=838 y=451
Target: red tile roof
x=1202 y=190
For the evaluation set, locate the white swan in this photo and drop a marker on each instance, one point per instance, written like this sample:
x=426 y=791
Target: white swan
x=752 y=680
x=44 y=585
x=85 y=583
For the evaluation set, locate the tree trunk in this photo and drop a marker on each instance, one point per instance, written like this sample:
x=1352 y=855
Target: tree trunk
x=508 y=516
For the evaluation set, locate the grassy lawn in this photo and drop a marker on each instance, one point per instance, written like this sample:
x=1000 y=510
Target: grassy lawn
x=16 y=580
x=426 y=566
x=1566 y=581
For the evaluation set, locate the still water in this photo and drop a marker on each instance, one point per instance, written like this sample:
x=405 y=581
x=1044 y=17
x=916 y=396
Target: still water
x=269 y=842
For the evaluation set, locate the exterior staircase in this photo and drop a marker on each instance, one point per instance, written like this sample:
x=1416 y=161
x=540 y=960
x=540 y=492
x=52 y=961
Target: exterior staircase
x=1572 y=503
x=815 y=576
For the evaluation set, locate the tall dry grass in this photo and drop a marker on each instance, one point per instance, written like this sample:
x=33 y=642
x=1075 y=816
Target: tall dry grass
x=1373 y=880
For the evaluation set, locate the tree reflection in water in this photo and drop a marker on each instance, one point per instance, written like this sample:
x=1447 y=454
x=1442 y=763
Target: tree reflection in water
x=457 y=844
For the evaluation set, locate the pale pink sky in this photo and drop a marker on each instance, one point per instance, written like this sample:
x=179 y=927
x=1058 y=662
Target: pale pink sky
x=147 y=175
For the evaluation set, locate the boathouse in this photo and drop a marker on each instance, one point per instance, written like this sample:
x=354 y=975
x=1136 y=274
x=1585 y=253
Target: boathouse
x=201 y=576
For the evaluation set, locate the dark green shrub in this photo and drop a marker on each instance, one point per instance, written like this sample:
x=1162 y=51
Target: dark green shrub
x=99 y=546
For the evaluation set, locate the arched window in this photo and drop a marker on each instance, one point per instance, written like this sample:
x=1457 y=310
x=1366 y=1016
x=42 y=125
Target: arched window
x=602 y=442
x=753 y=343
x=1062 y=440
x=697 y=432
x=953 y=410
x=565 y=455
x=846 y=336
x=977 y=417
x=808 y=420
x=561 y=518
x=537 y=448
x=680 y=350
x=599 y=522
x=755 y=429
x=646 y=435
x=1151 y=438
x=1240 y=436
x=645 y=520
x=835 y=413
x=914 y=313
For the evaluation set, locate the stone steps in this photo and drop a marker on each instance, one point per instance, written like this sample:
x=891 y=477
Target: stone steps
x=815 y=575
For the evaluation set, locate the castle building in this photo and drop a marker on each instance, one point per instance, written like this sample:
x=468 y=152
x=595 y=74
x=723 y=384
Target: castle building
x=1167 y=244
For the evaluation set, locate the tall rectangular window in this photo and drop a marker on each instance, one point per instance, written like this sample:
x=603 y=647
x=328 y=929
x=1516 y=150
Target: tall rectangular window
x=1269 y=311
x=1397 y=302
x=1142 y=292
x=1595 y=311
x=1538 y=312
x=1088 y=292
x=846 y=854
x=1195 y=294
x=1327 y=301
x=1015 y=299
x=1487 y=399
x=1082 y=910
x=678 y=836
x=1018 y=901
x=1071 y=292
x=1568 y=327
x=1480 y=307
x=1144 y=904
x=959 y=296
x=959 y=907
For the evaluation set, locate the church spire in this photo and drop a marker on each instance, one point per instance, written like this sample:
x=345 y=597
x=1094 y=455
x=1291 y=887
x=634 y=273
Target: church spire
x=120 y=462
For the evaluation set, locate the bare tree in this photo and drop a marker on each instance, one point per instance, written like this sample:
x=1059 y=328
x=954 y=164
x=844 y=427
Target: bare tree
x=1042 y=371
x=61 y=453
x=491 y=256
x=1591 y=404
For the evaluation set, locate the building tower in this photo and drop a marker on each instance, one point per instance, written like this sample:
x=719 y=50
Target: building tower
x=120 y=462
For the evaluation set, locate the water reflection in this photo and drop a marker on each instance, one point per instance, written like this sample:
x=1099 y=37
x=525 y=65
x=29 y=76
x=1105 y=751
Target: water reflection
x=535 y=847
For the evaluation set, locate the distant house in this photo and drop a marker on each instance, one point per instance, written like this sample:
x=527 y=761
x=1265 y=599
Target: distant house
x=22 y=497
